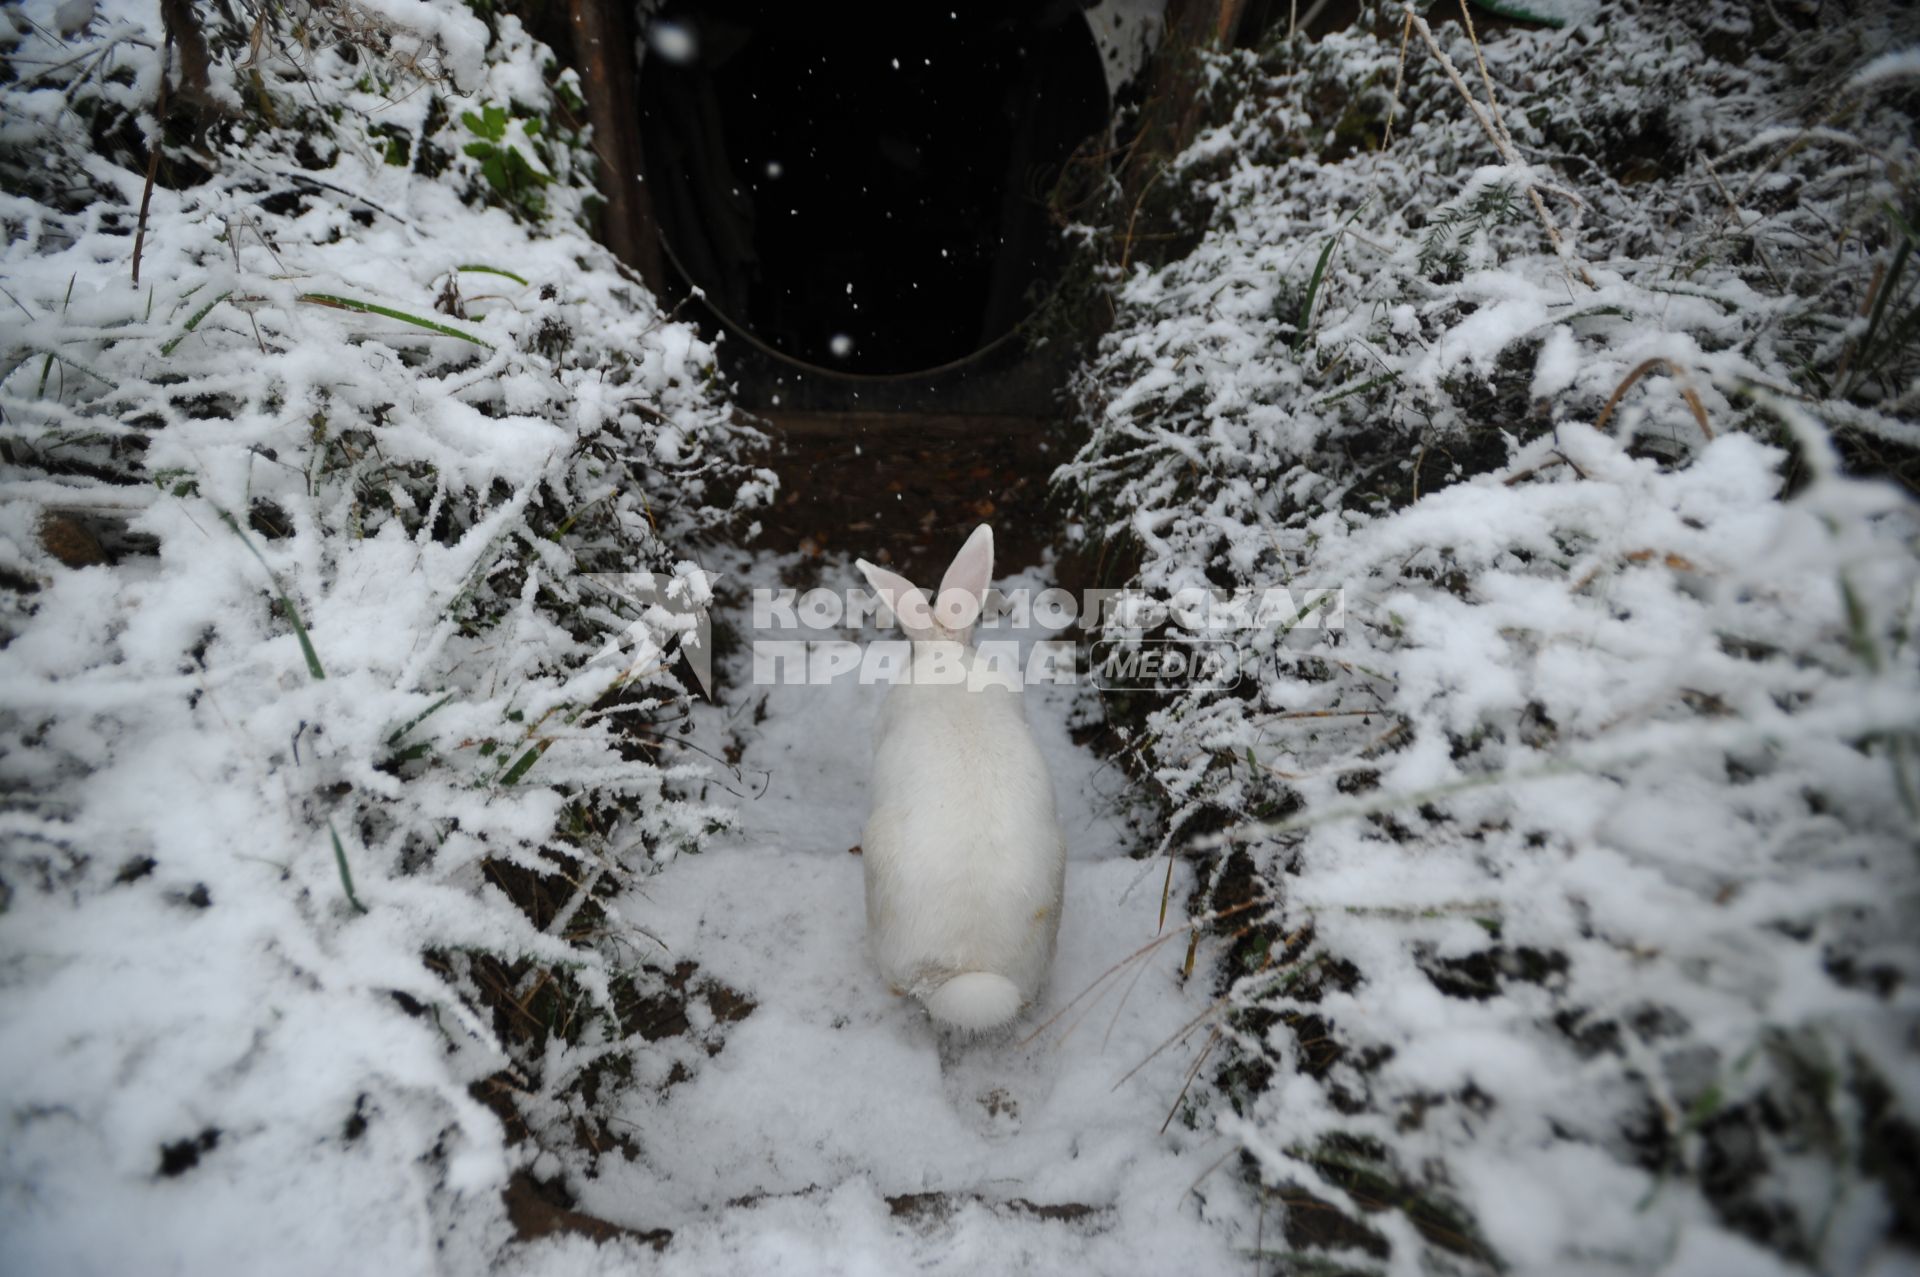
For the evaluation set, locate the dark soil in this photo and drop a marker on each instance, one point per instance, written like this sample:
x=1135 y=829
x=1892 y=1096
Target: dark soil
x=906 y=489
x=540 y=1208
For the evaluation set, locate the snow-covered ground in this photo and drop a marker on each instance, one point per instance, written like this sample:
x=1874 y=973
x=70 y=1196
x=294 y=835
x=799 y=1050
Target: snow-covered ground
x=833 y=1129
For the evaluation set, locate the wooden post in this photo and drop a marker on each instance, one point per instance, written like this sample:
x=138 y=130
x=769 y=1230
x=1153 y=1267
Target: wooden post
x=1172 y=109
x=603 y=46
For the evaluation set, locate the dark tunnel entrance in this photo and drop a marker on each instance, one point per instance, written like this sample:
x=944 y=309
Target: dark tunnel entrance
x=863 y=188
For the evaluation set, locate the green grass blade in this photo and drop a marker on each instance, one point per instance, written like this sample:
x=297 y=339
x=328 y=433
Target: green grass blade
x=36 y=348
x=346 y=874
x=1313 y=290
x=1541 y=15
x=1859 y=626
x=1360 y=388
x=370 y=308
x=1888 y=287
x=1904 y=226
x=193 y=322
x=476 y=269
x=400 y=732
x=522 y=764
x=1307 y=610
x=287 y=609
x=1320 y=274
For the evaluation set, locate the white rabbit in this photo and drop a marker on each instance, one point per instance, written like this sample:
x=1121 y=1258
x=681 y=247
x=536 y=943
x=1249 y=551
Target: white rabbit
x=964 y=856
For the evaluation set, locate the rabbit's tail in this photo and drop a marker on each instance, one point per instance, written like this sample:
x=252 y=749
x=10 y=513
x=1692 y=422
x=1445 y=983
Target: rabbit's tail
x=975 y=1000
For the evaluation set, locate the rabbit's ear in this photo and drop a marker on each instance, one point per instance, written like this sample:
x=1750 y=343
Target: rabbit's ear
x=902 y=597
x=963 y=591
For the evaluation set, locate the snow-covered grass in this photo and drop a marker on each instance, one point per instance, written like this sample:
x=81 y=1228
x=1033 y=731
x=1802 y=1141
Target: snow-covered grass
x=315 y=802
x=1587 y=848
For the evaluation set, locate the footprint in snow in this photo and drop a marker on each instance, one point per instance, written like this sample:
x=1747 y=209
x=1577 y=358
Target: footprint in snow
x=994 y=1083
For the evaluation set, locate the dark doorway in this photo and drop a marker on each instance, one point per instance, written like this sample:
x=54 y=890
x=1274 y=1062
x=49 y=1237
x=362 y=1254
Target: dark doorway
x=863 y=187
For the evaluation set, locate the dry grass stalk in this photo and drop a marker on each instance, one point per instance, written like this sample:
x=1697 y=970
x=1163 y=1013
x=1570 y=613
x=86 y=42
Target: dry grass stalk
x=1686 y=392
x=1501 y=143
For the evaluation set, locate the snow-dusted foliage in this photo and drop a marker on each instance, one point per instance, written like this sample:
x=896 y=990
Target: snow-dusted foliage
x=1569 y=887
x=313 y=788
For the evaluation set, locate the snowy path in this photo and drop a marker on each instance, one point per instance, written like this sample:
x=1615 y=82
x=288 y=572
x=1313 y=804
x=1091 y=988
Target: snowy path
x=832 y=1130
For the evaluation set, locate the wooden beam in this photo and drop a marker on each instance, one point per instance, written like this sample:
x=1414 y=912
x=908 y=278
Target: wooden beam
x=1226 y=30
x=603 y=45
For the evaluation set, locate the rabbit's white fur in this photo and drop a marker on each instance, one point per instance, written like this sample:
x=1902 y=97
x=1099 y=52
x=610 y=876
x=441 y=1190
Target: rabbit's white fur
x=964 y=857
